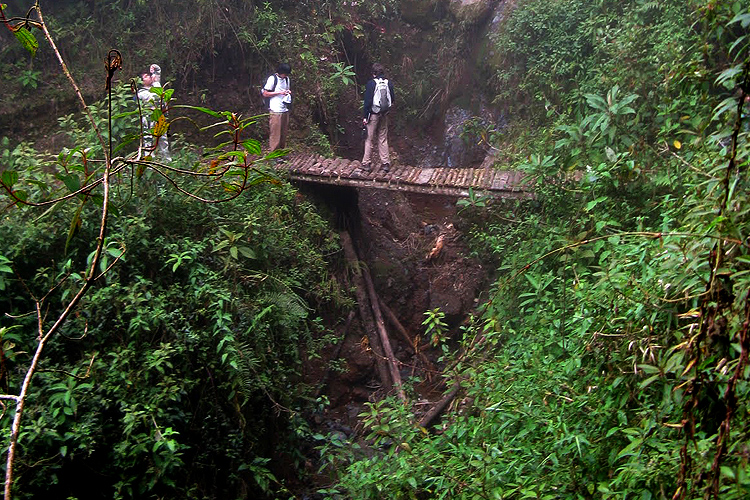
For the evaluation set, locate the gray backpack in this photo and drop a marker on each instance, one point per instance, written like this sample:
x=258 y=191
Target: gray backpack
x=381 y=100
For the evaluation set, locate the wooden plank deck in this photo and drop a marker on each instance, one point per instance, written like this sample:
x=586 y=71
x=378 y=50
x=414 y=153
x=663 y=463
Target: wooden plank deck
x=434 y=180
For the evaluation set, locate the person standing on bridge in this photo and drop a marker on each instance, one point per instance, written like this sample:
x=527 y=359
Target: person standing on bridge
x=378 y=101
x=278 y=92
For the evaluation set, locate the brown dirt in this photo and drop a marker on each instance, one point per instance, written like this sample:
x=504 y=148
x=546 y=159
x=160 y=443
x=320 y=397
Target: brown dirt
x=418 y=261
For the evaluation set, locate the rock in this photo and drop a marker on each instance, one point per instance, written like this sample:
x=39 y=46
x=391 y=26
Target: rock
x=458 y=151
x=421 y=12
x=472 y=11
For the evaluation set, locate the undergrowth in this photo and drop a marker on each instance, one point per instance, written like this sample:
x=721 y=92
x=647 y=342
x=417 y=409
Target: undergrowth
x=611 y=358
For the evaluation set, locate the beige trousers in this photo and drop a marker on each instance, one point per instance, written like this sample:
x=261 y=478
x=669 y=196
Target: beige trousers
x=278 y=124
x=377 y=130
x=162 y=148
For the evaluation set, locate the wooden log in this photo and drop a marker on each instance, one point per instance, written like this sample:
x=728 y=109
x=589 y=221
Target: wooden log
x=360 y=291
x=439 y=406
x=389 y=314
x=411 y=345
x=384 y=340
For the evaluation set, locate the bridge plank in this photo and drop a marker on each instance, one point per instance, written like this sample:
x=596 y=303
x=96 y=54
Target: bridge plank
x=445 y=180
x=449 y=174
x=458 y=180
x=442 y=177
x=399 y=173
x=305 y=165
x=453 y=176
x=414 y=174
x=468 y=178
x=477 y=177
x=317 y=167
x=350 y=169
x=435 y=180
x=425 y=176
x=489 y=179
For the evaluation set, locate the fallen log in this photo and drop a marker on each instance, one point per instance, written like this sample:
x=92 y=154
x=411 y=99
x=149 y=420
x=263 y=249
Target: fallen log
x=398 y=326
x=439 y=406
x=411 y=344
x=384 y=340
x=364 y=311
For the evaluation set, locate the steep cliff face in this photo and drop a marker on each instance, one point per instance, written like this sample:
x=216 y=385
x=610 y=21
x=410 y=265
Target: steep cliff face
x=460 y=104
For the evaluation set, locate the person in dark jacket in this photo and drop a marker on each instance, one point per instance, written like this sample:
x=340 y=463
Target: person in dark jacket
x=376 y=119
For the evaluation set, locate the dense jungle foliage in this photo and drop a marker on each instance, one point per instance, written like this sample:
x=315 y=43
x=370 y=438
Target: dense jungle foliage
x=199 y=286
x=178 y=375
x=610 y=359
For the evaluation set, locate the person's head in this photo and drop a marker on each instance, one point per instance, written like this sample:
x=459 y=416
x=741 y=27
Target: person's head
x=378 y=70
x=284 y=70
x=147 y=78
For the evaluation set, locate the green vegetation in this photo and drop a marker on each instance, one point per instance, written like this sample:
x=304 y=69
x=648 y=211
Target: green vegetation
x=611 y=359
x=154 y=314
x=207 y=43
x=179 y=373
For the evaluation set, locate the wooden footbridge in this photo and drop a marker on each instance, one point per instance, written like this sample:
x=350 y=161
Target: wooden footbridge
x=432 y=180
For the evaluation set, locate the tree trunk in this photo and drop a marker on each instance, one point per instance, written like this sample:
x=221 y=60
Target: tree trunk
x=412 y=345
x=439 y=406
x=364 y=311
x=392 y=361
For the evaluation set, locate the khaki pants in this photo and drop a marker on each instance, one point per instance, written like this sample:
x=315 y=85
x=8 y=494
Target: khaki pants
x=278 y=124
x=377 y=130
x=162 y=149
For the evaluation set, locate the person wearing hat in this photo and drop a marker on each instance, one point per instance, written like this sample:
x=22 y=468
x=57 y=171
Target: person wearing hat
x=150 y=79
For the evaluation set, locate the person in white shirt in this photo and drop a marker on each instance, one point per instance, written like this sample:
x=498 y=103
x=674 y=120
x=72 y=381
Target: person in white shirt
x=152 y=78
x=277 y=91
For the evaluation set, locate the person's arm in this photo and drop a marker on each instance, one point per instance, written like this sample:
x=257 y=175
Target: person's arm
x=367 y=102
x=155 y=70
x=393 y=95
x=269 y=83
x=272 y=92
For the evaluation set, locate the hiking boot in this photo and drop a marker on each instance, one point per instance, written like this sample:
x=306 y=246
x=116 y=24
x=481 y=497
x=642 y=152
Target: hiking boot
x=387 y=167
x=366 y=167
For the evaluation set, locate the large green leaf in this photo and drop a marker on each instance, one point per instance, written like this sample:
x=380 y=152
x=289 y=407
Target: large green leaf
x=27 y=39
